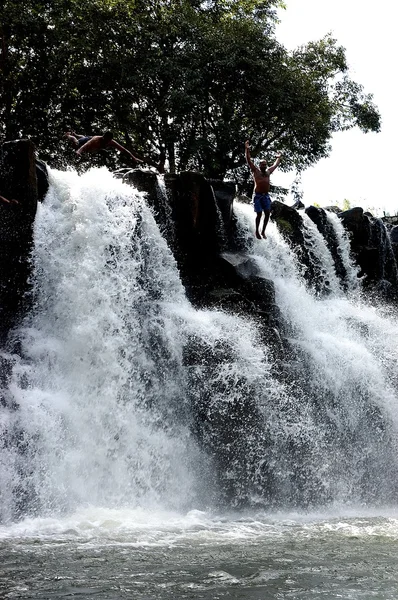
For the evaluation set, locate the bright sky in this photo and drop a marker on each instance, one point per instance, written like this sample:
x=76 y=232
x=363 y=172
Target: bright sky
x=361 y=167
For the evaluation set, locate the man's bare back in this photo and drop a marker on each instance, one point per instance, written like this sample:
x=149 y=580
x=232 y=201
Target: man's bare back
x=94 y=144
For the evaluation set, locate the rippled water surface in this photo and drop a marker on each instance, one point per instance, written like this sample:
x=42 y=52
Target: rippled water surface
x=132 y=554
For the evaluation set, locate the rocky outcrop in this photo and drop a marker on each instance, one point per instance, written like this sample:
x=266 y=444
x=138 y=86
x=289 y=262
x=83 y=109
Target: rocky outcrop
x=19 y=184
x=373 y=252
x=224 y=193
x=198 y=224
x=42 y=179
x=394 y=241
x=290 y=223
x=374 y=246
x=326 y=229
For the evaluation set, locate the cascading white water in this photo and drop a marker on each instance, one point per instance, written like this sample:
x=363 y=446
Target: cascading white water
x=344 y=250
x=320 y=255
x=95 y=352
x=108 y=408
x=345 y=384
x=101 y=387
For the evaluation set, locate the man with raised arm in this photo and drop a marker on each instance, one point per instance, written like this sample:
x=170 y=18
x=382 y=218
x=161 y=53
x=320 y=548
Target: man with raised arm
x=261 y=199
x=95 y=143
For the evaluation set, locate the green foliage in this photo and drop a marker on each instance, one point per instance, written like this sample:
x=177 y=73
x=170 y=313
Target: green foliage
x=346 y=204
x=182 y=83
x=284 y=226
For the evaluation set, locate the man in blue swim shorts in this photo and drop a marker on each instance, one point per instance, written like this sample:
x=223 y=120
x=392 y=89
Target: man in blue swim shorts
x=261 y=199
x=77 y=140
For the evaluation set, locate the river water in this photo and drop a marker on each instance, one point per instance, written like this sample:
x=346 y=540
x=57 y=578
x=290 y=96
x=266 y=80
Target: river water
x=105 y=492
x=109 y=555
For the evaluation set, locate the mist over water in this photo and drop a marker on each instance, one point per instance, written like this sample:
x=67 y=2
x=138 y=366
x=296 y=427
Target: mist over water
x=99 y=433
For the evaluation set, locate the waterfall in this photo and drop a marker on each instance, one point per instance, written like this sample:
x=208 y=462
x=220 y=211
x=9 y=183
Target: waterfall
x=344 y=250
x=337 y=423
x=98 y=378
x=107 y=391
x=123 y=394
x=325 y=273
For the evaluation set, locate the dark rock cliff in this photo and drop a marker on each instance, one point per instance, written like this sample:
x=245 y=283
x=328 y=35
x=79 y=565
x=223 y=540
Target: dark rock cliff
x=372 y=247
x=18 y=185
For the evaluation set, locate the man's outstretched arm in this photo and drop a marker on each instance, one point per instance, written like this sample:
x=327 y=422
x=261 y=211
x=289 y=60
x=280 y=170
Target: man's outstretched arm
x=123 y=149
x=276 y=164
x=248 y=157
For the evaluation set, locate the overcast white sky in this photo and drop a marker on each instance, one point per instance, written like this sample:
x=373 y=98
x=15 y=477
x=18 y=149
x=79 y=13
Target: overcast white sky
x=361 y=167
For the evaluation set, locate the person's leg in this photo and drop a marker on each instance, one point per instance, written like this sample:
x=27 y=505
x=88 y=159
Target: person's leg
x=83 y=139
x=258 y=219
x=266 y=206
x=265 y=222
x=259 y=211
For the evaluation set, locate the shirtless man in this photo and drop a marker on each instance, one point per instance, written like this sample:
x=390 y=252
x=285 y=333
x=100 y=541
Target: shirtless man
x=261 y=199
x=95 y=143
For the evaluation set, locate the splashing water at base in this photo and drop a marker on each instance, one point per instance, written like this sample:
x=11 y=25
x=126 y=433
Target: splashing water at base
x=113 y=555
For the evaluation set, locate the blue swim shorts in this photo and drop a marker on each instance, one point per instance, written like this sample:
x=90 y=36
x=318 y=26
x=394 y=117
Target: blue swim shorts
x=261 y=202
x=83 y=140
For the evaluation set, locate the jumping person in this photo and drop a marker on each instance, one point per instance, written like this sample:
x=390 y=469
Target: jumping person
x=261 y=199
x=95 y=143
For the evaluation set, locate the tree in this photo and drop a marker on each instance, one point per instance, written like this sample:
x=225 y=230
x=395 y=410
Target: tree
x=181 y=82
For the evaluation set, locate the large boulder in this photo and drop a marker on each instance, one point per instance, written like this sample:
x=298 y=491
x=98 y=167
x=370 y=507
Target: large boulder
x=149 y=182
x=394 y=241
x=224 y=193
x=394 y=234
x=42 y=179
x=359 y=226
x=373 y=251
x=199 y=233
x=18 y=183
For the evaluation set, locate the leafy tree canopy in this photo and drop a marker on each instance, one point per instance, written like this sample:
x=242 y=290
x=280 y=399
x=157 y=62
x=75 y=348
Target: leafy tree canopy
x=182 y=83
